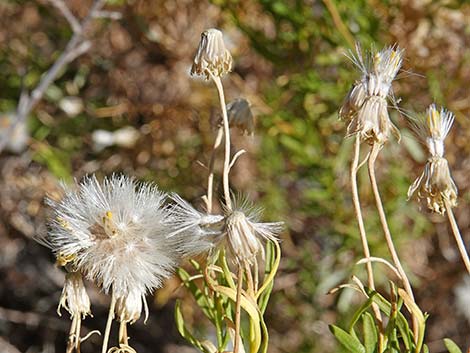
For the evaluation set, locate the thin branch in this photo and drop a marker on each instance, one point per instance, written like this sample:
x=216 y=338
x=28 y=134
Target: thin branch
x=76 y=46
x=235 y=157
x=113 y=15
x=383 y=261
x=69 y=16
x=342 y=28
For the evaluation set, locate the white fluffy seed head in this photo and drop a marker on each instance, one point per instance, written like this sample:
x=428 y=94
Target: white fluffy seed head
x=432 y=128
x=212 y=57
x=246 y=234
x=365 y=107
x=435 y=185
x=115 y=233
x=74 y=297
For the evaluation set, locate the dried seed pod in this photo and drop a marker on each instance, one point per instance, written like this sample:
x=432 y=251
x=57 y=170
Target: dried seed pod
x=212 y=57
x=365 y=108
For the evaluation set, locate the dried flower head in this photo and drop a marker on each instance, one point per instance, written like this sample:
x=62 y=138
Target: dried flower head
x=114 y=233
x=435 y=185
x=197 y=232
x=432 y=128
x=212 y=58
x=240 y=116
x=129 y=308
x=365 y=107
x=246 y=234
x=74 y=297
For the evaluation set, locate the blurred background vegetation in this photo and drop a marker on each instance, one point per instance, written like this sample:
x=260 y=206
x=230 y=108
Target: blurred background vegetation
x=129 y=105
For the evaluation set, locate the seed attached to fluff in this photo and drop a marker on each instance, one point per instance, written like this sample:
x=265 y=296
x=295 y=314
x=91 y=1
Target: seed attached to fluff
x=129 y=308
x=212 y=58
x=193 y=231
x=246 y=234
x=365 y=107
x=74 y=297
x=435 y=183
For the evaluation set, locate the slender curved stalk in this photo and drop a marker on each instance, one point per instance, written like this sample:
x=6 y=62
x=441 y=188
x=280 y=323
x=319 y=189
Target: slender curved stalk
x=360 y=222
x=108 y=324
x=236 y=345
x=457 y=235
x=388 y=236
x=225 y=175
x=210 y=178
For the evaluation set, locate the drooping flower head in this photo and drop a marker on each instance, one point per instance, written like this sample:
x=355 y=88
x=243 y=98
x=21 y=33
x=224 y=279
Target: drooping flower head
x=435 y=184
x=240 y=116
x=115 y=234
x=212 y=57
x=245 y=233
x=365 y=107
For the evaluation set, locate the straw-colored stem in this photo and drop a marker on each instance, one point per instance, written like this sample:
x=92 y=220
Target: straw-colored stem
x=360 y=222
x=256 y=274
x=123 y=339
x=388 y=236
x=250 y=289
x=236 y=345
x=342 y=28
x=210 y=178
x=457 y=235
x=71 y=344
x=225 y=174
x=77 y=334
x=108 y=324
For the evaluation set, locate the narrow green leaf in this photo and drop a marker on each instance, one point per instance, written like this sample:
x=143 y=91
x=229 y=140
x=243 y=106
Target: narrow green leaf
x=400 y=322
x=370 y=332
x=451 y=346
x=179 y=320
x=203 y=301
x=348 y=341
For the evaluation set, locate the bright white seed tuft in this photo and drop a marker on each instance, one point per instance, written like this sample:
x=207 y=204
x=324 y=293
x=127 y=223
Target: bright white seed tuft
x=212 y=57
x=115 y=234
